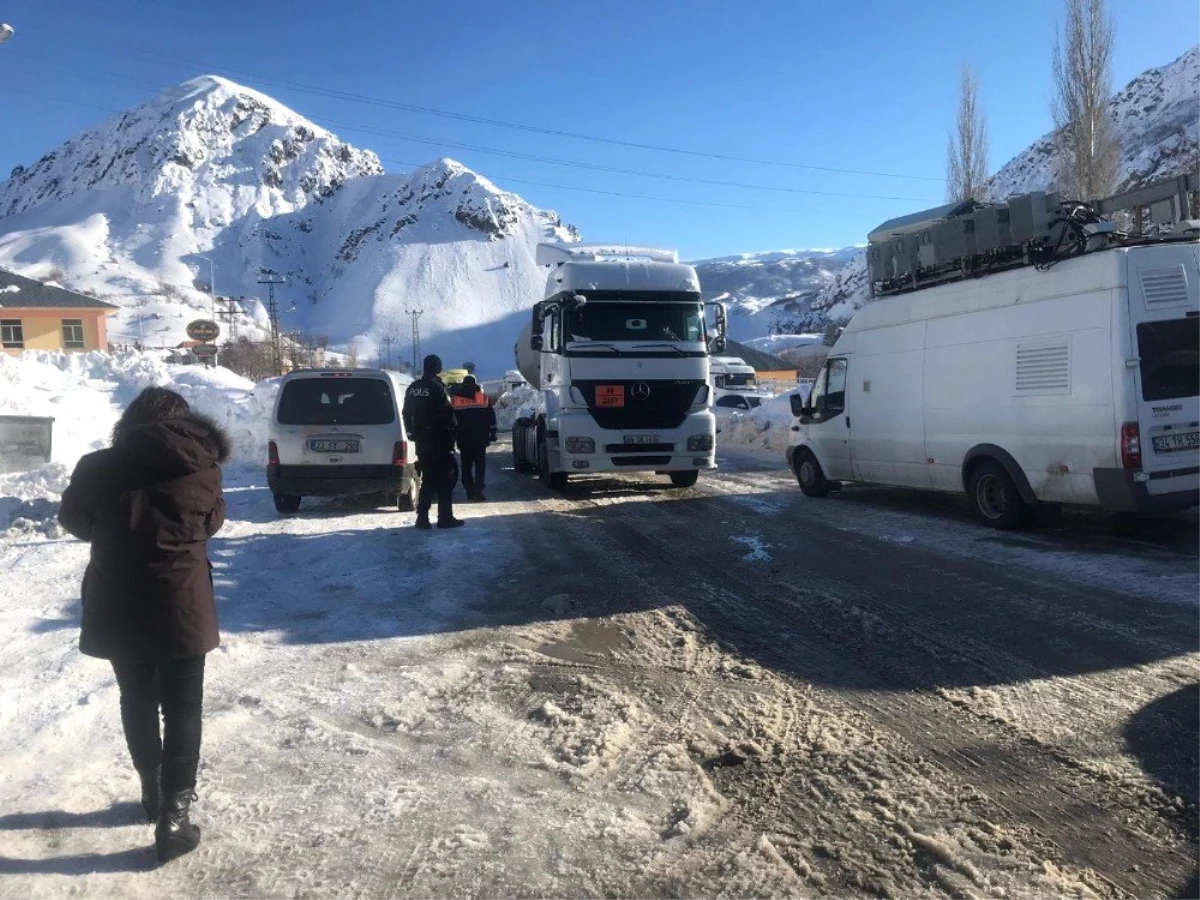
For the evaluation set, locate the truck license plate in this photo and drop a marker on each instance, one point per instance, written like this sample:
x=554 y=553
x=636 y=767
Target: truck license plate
x=333 y=446
x=1165 y=443
x=638 y=439
x=610 y=395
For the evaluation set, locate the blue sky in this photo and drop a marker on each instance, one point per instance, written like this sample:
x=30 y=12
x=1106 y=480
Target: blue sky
x=867 y=86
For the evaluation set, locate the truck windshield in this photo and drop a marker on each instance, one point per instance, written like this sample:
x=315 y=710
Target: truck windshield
x=737 y=382
x=1170 y=358
x=616 y=316
x=336 y=401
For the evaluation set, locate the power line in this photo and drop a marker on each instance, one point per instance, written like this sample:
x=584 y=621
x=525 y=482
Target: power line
x=624 y=195
x=153 y=58
x=550 y=160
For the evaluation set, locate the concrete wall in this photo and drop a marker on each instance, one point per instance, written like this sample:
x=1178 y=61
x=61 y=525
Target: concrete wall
x=25 y=442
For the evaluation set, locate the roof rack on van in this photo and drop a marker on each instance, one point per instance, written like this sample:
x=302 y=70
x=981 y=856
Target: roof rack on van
x=969 y=239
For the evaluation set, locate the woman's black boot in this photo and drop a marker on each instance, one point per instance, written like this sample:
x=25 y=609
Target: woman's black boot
x=151 y=792
x=175 y=835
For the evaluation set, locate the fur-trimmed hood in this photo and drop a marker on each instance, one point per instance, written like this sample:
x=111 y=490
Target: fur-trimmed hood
x=178 y=446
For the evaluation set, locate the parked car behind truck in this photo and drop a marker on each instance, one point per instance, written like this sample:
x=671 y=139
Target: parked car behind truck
x=1075 y=384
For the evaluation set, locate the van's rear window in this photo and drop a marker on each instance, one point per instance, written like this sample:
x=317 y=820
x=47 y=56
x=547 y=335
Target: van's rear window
x=336 y=401
x=1170 y=353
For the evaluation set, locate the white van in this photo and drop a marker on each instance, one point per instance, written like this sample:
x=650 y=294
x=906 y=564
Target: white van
x=1074 y=385
x=337 y=432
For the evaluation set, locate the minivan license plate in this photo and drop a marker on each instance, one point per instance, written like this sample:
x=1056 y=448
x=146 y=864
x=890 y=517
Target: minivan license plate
x=333 y=446
x=1165 y=443
x=641 y=439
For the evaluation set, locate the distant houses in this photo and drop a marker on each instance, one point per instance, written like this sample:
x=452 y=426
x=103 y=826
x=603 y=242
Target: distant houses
x=39 y=316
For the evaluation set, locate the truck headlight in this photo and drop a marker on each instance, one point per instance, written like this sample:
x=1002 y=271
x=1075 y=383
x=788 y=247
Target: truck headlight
x=581 y=445
x=699 y=443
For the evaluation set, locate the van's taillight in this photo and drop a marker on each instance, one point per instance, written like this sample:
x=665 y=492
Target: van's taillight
x=272 y=453
x=1131 y=446
x=400 y=453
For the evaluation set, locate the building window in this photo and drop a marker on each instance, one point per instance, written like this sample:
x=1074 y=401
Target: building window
x=73 y=334
x=12 y=335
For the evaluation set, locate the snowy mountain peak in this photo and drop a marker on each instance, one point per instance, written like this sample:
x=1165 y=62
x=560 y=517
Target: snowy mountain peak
x=221 y=148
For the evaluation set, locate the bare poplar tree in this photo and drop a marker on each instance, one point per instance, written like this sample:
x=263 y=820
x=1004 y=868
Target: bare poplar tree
x=967 y=147
x=1088 y=149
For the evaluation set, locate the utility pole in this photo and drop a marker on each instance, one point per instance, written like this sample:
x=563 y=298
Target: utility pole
x=416 y=338
x=212 y=287
x=229 y=316
x=388 y=340
x=273 y=313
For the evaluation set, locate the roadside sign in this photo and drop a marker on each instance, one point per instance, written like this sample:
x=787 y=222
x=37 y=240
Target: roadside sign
x=203 y=330
x=205 y=351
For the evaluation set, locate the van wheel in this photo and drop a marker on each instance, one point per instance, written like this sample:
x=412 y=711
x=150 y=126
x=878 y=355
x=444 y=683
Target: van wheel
x=685 y=479
x=286 y=504
x=407 y=501
x=813 y=482
x=556 y=481
x=997 y=501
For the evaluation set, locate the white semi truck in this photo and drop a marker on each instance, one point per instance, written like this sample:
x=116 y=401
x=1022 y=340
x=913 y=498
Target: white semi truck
x=618 y=350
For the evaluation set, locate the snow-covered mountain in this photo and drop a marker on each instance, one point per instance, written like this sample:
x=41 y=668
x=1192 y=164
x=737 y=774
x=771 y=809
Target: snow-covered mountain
x=136 y=209
x=771 y=291
x=1157 y=118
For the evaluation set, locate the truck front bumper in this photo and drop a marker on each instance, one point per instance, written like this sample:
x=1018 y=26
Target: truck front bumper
x=646 y=450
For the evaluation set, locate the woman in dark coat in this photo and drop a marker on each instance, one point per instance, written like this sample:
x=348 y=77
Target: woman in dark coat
x=148 y=505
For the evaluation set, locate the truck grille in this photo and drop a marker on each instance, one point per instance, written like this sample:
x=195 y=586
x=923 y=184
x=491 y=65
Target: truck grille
x=664 y=405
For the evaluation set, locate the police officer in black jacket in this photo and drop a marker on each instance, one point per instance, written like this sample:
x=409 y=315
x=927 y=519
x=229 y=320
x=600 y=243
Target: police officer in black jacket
x=429 y=420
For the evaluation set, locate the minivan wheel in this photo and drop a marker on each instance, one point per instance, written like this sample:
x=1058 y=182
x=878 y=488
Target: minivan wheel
x=407 y=501
x=286 y=504
x=811 y=478
x=997 y=501
x=685 y=479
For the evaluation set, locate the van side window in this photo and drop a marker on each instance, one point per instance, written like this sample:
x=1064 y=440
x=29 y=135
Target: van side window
x=828 y=396
x=835 y=391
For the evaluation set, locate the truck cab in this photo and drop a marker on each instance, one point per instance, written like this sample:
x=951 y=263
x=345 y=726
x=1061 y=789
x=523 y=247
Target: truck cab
x=618 y=350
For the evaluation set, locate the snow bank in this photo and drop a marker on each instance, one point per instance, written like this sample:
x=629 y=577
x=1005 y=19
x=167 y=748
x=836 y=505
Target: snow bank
x=85 y=394
x=769 y=426
x=511 y=405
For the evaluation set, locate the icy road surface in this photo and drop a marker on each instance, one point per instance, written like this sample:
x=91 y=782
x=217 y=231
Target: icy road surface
x=630 y=690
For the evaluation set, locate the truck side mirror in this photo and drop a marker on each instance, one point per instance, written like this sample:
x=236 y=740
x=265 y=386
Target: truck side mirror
x=535 y=342
x=717 y=344
x=799 y=406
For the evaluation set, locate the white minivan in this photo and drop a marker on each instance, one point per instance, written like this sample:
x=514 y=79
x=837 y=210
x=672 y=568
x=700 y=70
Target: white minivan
x=1076 y=384
x=337 y=432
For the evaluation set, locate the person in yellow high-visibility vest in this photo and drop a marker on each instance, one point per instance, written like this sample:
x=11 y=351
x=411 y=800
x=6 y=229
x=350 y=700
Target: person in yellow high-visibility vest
x=476 y=429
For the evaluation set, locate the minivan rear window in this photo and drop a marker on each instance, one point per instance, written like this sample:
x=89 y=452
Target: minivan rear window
x=1170 y=354
x=337 y=401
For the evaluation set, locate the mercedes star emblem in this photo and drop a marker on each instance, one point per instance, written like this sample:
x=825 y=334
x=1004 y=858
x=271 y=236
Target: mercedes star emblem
x=641 y=391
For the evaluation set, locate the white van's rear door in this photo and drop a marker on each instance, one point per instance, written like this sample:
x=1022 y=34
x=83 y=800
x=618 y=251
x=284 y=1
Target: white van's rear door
x=1164 y=318
x=338 y=419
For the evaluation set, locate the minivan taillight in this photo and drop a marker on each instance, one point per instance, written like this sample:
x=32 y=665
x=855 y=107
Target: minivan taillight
x=1131 y=446
x=400 y=453
x=272 y=453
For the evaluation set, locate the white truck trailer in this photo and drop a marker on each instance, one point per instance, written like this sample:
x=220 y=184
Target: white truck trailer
x=618 y=350
x=1057 y=364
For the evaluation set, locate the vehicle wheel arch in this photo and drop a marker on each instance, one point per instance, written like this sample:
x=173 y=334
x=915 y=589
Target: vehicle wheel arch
x=983 y=452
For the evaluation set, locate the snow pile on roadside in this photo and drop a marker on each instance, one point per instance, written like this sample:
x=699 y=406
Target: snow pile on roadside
x=85 y=394
x=513 y=404
x=769 y=426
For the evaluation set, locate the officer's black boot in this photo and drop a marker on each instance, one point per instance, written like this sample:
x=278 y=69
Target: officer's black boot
x=151 y=792
x=423 y=522
x=175 y=835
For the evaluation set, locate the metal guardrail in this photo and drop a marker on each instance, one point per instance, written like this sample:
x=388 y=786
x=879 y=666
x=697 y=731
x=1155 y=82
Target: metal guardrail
x=26 y=442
